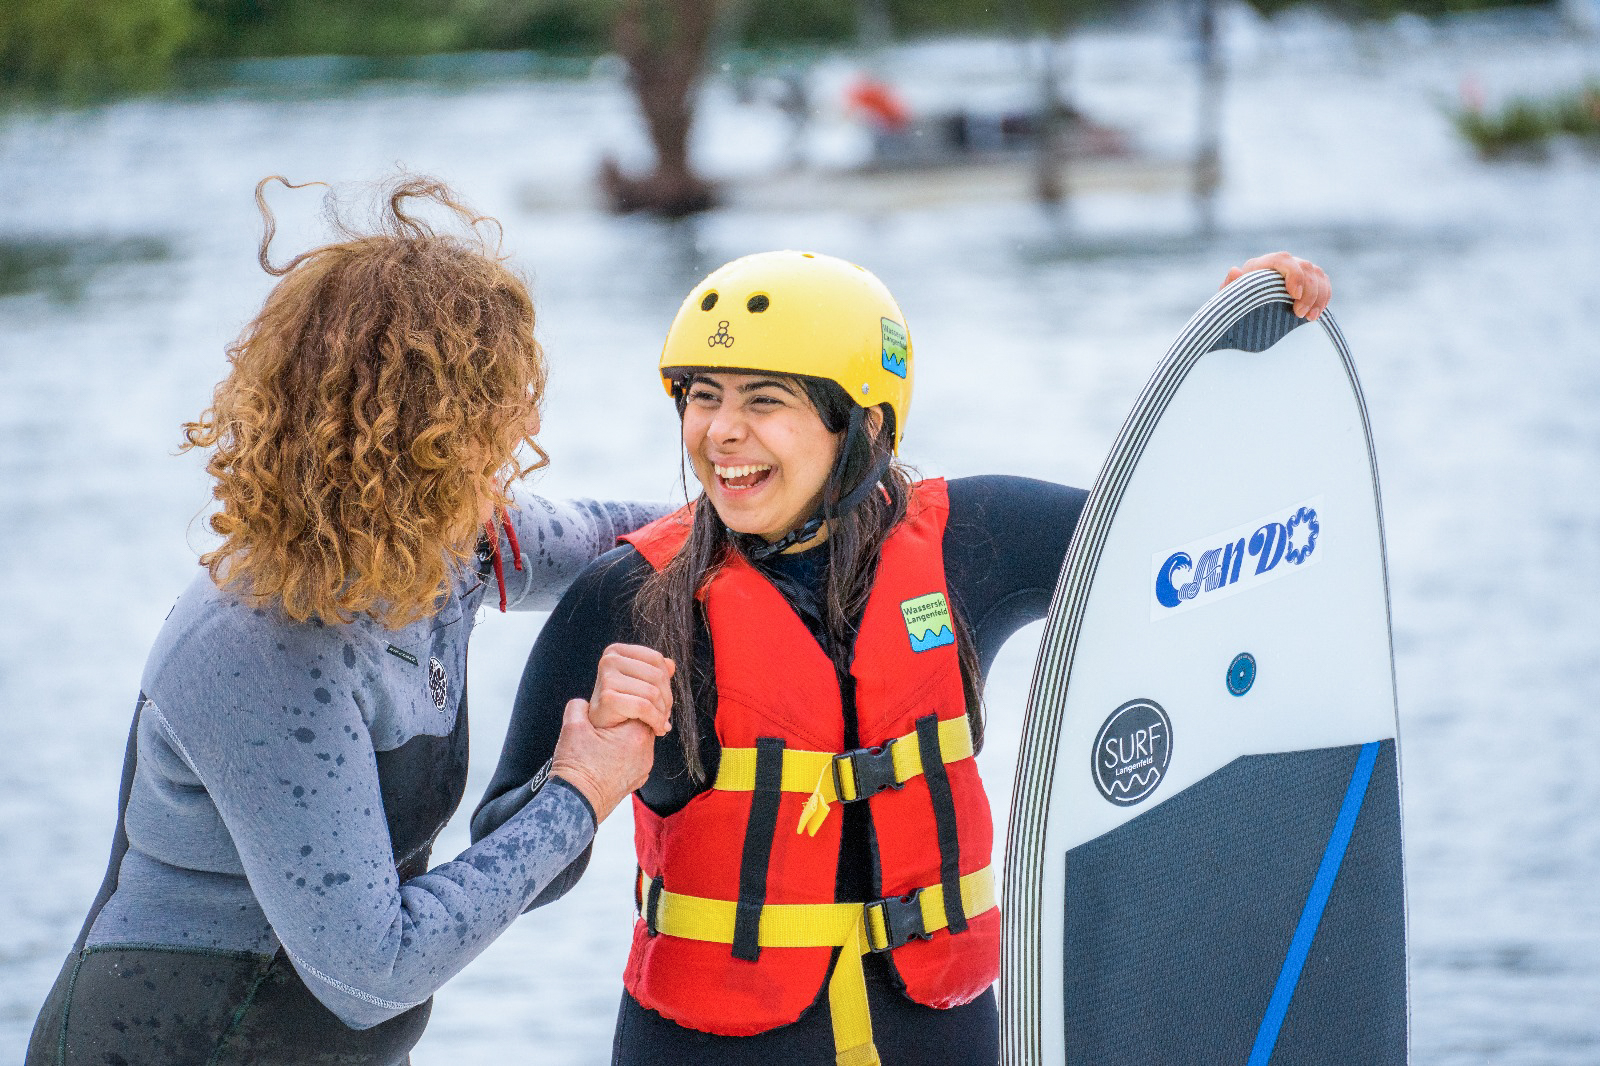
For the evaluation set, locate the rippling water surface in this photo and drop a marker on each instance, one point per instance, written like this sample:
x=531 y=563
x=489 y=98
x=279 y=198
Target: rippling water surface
x=1468 y=293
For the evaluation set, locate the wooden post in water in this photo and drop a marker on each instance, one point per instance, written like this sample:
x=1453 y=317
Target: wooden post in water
x=874 y=27
x=1208 y=146
x=1055 y=152
x=1050 y=183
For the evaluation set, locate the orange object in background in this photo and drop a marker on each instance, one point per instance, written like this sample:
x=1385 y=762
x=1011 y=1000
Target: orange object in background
x=879 y=102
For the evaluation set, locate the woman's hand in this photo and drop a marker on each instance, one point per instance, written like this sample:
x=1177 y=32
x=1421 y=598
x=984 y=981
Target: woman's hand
x=1308 y=286
x=633 y=682
x=603 y=764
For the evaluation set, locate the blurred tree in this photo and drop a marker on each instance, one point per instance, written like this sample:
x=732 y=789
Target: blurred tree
x=78 y=50
x=664 y=43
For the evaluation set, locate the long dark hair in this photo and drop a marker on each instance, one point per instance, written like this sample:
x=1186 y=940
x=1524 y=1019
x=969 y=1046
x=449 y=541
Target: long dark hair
x=667 y=611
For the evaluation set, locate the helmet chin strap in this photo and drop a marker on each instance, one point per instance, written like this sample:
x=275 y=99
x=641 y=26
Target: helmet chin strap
x=756 y=549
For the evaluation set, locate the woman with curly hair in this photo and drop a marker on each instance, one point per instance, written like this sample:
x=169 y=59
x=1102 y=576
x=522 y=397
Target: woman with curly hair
x=300 y=734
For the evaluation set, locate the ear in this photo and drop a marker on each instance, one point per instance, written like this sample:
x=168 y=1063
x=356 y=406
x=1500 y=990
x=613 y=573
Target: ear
x=874 y=421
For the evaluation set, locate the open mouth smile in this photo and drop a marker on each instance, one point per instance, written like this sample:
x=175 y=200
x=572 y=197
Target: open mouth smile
x=742 y=478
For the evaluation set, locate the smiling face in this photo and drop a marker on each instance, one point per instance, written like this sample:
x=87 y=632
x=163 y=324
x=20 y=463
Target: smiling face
x=759 y=448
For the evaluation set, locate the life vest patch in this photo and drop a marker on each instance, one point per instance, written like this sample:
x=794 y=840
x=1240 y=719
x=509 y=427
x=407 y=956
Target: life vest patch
x=928 y=621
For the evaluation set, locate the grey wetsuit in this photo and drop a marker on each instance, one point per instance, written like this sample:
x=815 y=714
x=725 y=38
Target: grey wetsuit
x=269 y=897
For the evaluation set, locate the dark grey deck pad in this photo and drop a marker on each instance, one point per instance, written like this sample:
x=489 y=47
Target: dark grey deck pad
x=1260 y=329
x=1178 y=922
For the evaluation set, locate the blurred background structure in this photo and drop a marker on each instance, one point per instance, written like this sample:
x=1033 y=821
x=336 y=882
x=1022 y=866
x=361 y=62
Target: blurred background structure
x=1049 y=186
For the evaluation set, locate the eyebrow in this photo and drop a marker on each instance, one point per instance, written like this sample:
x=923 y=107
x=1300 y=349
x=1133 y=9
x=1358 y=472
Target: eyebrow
x=748 y=387
x=766 y=383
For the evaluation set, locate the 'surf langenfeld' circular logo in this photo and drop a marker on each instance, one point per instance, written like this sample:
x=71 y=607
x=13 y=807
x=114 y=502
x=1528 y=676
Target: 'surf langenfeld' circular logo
x=438 y=682
x=1132 y=751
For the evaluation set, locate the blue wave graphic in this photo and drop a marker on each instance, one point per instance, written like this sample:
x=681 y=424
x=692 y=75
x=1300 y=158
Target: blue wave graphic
x=931 y=640
x=894 y=364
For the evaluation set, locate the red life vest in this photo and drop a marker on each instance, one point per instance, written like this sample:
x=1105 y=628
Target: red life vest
x=778 y=694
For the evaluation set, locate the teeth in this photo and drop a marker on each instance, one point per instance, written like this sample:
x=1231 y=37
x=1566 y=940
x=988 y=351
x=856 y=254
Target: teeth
x=739 y=471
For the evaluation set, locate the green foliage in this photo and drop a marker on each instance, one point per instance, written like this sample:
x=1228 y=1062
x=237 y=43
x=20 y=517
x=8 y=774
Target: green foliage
x=915 y=17
x=254 y=28
x=767 y=23
x=565 y=26
x=79 y=50
x=1387 y=9
x=1523 y=126
x=764 y=23
x=1579 y=113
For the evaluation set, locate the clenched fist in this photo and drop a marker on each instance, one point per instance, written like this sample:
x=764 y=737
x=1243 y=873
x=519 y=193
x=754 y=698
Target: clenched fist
x=633 y=682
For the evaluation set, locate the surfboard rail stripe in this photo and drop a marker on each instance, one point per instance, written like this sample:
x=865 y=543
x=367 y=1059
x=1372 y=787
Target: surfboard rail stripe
x=1316 y=900
x=1022 y=896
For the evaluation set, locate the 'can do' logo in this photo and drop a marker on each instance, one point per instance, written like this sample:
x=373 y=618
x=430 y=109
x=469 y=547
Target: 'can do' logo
x=1132 y=751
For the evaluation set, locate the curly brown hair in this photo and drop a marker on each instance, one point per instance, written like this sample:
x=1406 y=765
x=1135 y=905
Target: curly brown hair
x=371 y=415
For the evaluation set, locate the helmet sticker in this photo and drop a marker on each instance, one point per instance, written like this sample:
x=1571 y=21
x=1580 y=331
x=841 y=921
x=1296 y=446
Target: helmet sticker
x=895 y=356
x=928 y=621
x=721 y=336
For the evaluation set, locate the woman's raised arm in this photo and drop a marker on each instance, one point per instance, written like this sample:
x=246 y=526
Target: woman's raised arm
x=551 y=541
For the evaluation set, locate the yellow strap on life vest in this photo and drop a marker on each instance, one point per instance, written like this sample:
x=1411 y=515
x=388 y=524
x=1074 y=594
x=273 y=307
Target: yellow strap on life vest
x=737 y=770
x=814 y=771
x=857 y=927
x=955 y=744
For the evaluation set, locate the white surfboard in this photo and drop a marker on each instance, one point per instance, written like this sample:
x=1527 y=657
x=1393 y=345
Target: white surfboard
x=1204 y=862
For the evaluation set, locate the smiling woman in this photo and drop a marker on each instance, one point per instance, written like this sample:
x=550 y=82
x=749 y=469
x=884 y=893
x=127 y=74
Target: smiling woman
x=836 y=618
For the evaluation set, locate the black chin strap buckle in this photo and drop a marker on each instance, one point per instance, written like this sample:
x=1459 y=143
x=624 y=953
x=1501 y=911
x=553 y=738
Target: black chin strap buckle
x=757 y=549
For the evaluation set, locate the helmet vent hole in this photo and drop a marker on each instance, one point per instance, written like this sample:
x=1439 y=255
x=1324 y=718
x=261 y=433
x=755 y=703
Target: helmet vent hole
x=709 y=302
x=757 y=303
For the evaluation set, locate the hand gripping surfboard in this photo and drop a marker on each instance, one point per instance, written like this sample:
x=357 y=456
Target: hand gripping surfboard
x=1204 y=858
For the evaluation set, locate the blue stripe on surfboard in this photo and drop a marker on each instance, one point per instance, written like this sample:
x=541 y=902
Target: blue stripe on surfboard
x=1311 y=916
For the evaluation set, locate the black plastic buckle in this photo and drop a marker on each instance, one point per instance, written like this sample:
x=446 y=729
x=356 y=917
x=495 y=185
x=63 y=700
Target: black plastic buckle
x=902 y=920
x=874 y=771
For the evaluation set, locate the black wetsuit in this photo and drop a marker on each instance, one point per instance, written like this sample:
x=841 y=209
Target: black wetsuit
x=1003 y=547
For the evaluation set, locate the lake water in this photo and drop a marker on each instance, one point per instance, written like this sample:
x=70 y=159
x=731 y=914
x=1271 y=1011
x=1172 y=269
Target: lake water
x=1467 y=291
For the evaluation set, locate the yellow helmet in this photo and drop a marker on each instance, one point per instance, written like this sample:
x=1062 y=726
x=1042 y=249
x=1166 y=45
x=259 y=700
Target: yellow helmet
x=796 y=313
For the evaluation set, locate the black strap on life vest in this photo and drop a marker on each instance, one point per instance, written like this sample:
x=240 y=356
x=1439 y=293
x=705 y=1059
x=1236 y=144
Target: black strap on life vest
x=757 y=855
x=944 y=820
x=650 y=905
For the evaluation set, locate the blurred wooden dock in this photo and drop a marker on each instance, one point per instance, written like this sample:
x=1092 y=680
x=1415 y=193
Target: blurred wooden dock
x=1013 y=178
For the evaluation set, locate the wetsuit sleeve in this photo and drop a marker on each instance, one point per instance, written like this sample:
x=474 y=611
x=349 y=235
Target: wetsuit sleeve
x=595 y=612
x=1004 y=544
x=557 y=539
x=289 y=764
